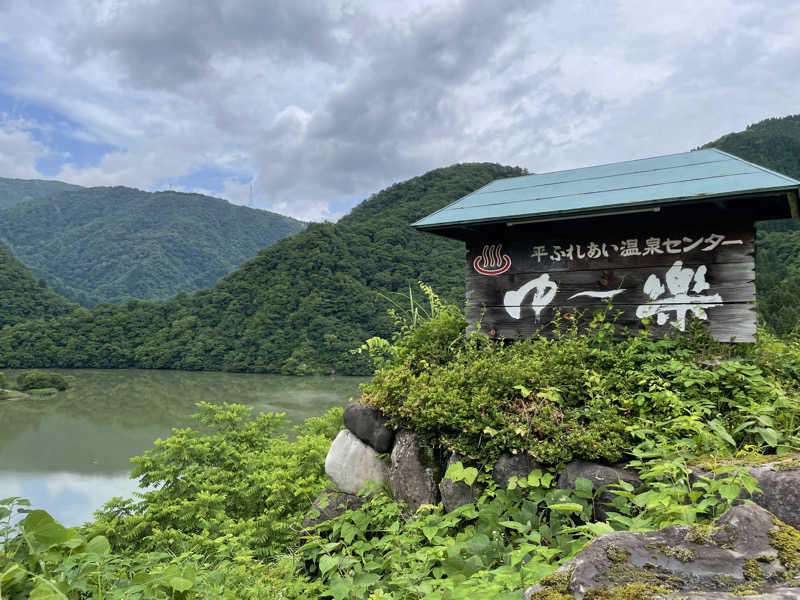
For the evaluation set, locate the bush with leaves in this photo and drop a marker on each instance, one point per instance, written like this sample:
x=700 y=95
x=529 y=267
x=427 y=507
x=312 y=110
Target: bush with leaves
x=235 y=488
x=43 y=560
x=36 y=380
x=586 y=393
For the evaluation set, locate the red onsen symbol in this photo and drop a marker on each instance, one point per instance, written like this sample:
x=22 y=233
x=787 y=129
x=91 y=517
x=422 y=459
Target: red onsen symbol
x=491 y=261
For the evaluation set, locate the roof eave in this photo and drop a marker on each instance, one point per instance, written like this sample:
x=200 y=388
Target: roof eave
x=609 y=210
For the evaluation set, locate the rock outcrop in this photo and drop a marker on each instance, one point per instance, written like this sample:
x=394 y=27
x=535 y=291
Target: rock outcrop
x=746 y=550
x=512 y=465
x=369 y=425
x=329 y=505
x=600 y=476
x=350 y=463
x=414 y=472
x=779 y=481
x=457 y=493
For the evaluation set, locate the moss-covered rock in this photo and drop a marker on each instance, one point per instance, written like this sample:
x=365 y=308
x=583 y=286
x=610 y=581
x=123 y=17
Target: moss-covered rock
x=745 y=551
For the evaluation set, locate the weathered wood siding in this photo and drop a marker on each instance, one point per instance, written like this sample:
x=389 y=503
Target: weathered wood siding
x=516 y=287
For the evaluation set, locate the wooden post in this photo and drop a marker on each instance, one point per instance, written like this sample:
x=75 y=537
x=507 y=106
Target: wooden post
x=794 y=207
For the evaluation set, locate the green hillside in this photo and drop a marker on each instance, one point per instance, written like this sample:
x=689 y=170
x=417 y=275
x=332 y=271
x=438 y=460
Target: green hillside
x=302 y=304
x=23 y=296
x=112 y=244
x=298 y=307
x=14 y=191
x=774 y=143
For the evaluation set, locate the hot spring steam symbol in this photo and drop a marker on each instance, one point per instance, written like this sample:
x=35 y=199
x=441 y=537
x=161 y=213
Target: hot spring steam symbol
x=491 y=261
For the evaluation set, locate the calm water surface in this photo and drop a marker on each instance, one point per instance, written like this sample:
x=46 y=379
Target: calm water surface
x=70 y=453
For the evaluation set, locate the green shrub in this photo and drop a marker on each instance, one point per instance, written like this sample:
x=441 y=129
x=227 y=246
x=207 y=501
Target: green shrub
x=586 y=394
x=235 y=487
x=30 y=380
x=3 y=382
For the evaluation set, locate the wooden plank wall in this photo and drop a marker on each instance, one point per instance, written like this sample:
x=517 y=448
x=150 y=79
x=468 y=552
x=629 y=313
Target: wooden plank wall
x=516 y=287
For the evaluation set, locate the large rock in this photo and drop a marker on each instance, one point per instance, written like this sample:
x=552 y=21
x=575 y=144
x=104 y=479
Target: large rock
x=744 y=551
x=329 y=505
x=351 y=463
x=780 y=593
x=600 y=476
x=512 y=465
x=414 y=471
x=369 y=425
x=457 y=493
x=779 y=480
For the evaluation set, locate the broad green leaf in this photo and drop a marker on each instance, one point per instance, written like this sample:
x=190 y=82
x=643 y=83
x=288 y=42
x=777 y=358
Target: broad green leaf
x=583 y=484
x=721 y=432
x=770 y=436
x=341 y=589
x=180 y=584
x=470 y=475
x=326 y=563
x=513 y=525
x=730 y=491
x=42 y=528
x=99 y=545
x=566 y=506
x=45 y=590
x=472 y=565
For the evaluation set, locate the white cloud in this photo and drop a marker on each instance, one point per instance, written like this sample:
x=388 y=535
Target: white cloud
x=19 y=150
x=323 y=103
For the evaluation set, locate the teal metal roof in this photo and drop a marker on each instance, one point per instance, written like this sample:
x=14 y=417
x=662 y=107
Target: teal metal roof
x=610 y=189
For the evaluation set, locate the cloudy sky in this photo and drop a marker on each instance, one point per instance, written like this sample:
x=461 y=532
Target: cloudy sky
x=318 y=105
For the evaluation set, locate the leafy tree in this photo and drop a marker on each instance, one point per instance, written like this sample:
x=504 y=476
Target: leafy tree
x=23 y=296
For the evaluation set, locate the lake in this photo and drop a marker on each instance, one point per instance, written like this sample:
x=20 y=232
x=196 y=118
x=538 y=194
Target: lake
x=70 y=453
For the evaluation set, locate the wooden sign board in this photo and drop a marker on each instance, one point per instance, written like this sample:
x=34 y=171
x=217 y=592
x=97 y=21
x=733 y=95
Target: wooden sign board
x=517 y=287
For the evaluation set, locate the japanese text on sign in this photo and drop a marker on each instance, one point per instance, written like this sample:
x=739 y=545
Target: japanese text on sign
x=650 y=246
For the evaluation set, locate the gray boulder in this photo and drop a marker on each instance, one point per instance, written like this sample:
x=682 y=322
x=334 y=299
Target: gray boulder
x=414 y=471
x=780 y=593
x=369 y=425
x=600 y=476
x=351 y=463
x=512 y=465
x=329 y=505
x=779 y=480
x=457 y=493
x=744 y=551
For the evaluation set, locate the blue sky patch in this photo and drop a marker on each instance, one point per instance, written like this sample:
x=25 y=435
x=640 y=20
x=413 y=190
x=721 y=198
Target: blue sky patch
x=62 y=136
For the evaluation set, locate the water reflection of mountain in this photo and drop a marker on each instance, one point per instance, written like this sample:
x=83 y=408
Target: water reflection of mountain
x=110 y=416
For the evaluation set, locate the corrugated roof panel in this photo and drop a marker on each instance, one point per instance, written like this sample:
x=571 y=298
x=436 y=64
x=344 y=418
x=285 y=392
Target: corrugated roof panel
x=617 y=186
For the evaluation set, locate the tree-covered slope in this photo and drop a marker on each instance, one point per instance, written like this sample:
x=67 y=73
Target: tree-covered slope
x=111 y=244
x=774 y=143
x=23 y=296
x=299 y=306
x=14 y=191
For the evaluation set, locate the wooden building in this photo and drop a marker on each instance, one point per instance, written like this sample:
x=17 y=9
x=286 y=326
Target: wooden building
x=662 y=238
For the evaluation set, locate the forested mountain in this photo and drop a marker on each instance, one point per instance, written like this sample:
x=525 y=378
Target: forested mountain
x=298 y=307
x=115 y=243
x=14 y=191
x=774 y=143
x=23 y=296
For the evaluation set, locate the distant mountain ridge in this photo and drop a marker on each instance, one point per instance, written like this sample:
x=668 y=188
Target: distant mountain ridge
x=298 y=307
x=15 y=191
x=111 y=244
x=301 y=305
